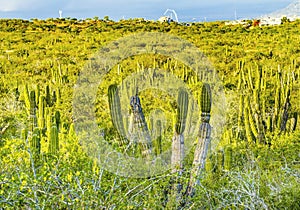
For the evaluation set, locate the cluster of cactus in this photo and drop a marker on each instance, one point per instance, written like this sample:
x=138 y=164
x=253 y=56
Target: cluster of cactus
x=59 y=76
x=219 y=162
x=254 y=119
x=137 y=121
x=42 y=123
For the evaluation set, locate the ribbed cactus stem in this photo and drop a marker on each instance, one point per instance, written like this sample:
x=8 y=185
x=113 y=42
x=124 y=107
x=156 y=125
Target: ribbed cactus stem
x=57 y=120
x=205 y=99
x=240 y=115
x=284 y=113
x=178 y=139
x=138 y=129
x=158 y=135
x=48 y=96
x=115 y=111
x=32 y=110
x=41 y=119
x=35 y=143
x=203 y=139
x=249 y=134
x=182 y=110
x=26 y=98
x=227 y=158
x=250 y=81
x=24 y=134
x=294 y=120
x=54 y=140
x=220 y=161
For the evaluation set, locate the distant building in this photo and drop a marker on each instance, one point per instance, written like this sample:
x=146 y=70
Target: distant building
x=164 y=19
x=269 y=21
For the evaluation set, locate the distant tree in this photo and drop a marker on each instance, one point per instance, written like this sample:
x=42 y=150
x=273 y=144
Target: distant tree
x=106 y=18
x=285 y=20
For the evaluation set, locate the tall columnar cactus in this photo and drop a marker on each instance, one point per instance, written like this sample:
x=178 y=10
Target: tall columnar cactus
x=115 y=111
x=203 y=139
x=26 y=98
x=260 y=119
x=48 y=96
x=57 y=120
x=158 y=135
x=182 y=110
x=35 y=143
x=227 y=158
x=178 y=138
x=32 y=110
x=53 y=139
x=41 y=108
x=220 y=160
x=138 y=129
x=24 y=134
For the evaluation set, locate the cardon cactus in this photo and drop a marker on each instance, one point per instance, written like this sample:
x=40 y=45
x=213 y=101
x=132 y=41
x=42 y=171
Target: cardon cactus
x=32 y=116
x=203 y=139
x=35 y=143
x=115 y=111
x=227 y=158
x=41 y=118
x=182 y=110
x=53 y=139
x=138 y=127
x=178 y=138
x=158 y=134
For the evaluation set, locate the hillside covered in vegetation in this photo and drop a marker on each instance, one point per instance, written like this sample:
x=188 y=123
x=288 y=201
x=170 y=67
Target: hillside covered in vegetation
x=255 y=164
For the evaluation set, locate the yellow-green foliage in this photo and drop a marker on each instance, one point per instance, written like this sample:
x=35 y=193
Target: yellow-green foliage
x=42 y=59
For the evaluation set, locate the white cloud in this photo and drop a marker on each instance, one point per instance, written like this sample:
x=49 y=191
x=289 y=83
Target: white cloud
x=27 y=5
x=18 y=5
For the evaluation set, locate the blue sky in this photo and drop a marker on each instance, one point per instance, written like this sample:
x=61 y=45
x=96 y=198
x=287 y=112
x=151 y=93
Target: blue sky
x=187 y=10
